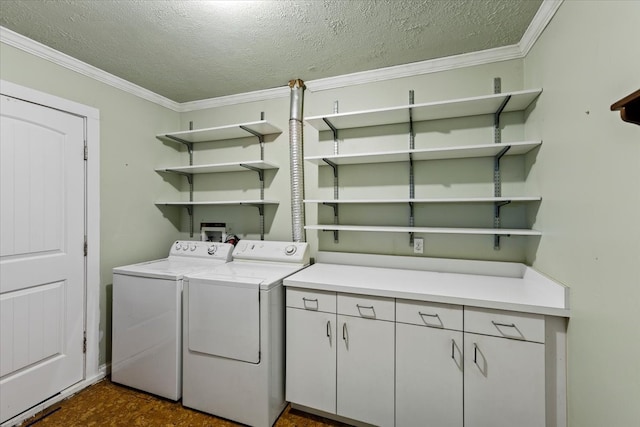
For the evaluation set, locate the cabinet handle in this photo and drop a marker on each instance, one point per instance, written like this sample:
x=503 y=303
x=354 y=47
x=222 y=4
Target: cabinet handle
x=506 y=325
x=305 y=300
x=453 y=347
x=345 y=335
x=475 y=353
x=366 y=307
x=329 y=328
x=428 y=314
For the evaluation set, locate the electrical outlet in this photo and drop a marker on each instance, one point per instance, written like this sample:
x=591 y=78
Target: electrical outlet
x=418 y=245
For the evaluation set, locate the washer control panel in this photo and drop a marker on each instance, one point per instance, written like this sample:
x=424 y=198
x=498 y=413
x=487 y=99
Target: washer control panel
x=264 y=250
x=198 y=249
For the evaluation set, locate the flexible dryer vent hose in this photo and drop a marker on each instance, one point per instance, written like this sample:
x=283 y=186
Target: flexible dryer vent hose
x=296 y=160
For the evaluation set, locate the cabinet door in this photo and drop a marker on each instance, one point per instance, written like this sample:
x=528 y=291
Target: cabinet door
x=311 y=359
x=366 y=370
x=504 y=382
x=429 y=372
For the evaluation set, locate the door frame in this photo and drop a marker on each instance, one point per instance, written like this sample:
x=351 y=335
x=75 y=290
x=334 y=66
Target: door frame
x=92 y=371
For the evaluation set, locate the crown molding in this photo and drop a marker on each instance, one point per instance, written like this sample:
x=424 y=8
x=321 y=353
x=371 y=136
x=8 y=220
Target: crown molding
x=542 y=18
x=221 y=101
x=417 y=68
x=33 y=47
x=545 y=13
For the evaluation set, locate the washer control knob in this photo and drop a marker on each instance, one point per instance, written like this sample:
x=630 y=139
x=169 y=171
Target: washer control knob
x=212 y=249
x=193 y=247
x=290 y=250
x=178 y=246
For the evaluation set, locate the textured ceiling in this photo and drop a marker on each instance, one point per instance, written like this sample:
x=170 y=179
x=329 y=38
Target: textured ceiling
x=191 y=50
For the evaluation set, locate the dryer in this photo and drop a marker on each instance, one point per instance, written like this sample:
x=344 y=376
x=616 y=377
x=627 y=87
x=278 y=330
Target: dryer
x=147 y=316
x=233 y=347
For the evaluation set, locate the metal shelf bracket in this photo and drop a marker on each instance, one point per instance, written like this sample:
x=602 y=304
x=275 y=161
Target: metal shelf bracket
x=333 y=130
x=257 y=135
x=335 y=219
x=187 y=144
x=334 y=166
x=260 y=173
x=260 y=207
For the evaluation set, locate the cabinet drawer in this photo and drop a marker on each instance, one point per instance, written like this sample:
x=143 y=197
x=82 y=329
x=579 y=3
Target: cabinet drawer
x=368 y=307
x=435 y=315
x=309 y=299
x=521 y=326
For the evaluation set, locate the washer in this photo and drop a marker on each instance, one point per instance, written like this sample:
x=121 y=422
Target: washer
x=233 y=358
x=147 y=316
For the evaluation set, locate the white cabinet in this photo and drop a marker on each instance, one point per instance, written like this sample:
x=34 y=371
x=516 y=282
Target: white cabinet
x=397 y=362
x=240 y=131
x=494 y=105
x=429 y=365
x=504 y=379
x=365 y=378
x=503 y=383
x=341 y=364
x=311 y=359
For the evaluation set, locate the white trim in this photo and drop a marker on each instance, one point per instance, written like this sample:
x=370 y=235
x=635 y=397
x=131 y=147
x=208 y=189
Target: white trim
x=45 y=52
x=92 y=123
x=100 y=375
x=544 y=15
x=221 y=101
x=417 y=68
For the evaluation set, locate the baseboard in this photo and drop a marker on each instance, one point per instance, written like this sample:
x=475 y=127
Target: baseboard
x=76 y=388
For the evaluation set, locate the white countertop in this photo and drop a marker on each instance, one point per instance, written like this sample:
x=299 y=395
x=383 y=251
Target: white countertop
x=529 y=291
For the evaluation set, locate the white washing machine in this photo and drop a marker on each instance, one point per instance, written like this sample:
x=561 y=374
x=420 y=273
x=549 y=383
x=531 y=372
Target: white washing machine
x=233 y=359
x=147 y=316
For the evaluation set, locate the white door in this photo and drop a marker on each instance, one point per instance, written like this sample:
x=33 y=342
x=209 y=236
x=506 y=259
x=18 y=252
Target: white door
x=428 y=376
x=504 y=382
x=311 y=359
x=42 y=264
x=365 y=377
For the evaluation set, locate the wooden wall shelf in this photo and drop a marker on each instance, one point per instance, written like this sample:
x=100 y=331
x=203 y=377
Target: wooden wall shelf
x=629 y=107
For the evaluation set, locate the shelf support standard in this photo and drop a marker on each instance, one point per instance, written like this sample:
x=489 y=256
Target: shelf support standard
x=190 y=212
x=497 y=138
x=496 y=222
x=497 y=192
x=334 y=166
x=260 y=207
x=412 y=186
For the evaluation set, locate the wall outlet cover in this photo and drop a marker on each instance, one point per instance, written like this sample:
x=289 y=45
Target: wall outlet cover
x=418 y=245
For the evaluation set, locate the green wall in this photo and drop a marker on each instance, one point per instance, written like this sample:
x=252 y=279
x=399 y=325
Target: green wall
x=587 y=171
x=589 y=175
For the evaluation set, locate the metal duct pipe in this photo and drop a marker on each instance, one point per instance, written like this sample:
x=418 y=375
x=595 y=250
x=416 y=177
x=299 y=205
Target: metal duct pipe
x=296 y=160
